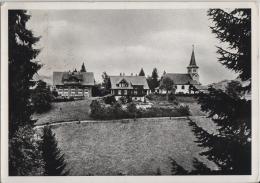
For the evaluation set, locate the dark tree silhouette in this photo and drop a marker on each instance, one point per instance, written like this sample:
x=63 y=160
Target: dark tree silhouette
x=83 y=69
x=230 y=147
x=234 y=29
x=53 y=159
x=41 y=97
x=153 y=80
x=106 y=83
x=141 y=73
x=22 y=67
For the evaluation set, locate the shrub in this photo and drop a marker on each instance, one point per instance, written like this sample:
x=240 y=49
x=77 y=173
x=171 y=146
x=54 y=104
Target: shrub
x=183 y=110
x=110 y=99
x=132 y=110
x=41 y=97
x=123 y=100
x=172 y=97
x=95 y=108
x=117 y=112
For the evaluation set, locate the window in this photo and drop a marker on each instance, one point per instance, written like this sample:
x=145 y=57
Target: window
x=135 y=92
x=194 y=70
x=79 y=91
x=183 y=87
x=125 y=92
x=119 y=92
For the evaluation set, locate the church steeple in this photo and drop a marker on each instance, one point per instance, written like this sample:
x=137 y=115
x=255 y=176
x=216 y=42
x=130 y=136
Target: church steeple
x=193 y=68
x=192 y=59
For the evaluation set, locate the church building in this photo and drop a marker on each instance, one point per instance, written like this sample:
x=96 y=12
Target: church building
x=184 y=82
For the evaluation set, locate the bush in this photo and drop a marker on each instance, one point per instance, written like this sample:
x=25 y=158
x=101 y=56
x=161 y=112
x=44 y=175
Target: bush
x=63 y=99
x=123 y=100
x=99 y=111
x=41 y=97
x=95 y=108
x=132 y=110
x=110 y=99
x=172 y=97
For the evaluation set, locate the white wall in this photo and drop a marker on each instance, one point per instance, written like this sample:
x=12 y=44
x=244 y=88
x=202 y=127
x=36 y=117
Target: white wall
x=180 y=90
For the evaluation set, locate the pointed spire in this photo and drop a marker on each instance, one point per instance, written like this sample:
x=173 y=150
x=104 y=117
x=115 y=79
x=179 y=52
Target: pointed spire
x=192 y=59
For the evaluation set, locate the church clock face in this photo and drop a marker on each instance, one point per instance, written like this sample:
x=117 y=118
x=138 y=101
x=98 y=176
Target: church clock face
x=196 y=75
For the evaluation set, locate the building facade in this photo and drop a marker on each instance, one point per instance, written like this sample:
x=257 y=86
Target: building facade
x=135 y=87
x=73 y=84
x=184 y=82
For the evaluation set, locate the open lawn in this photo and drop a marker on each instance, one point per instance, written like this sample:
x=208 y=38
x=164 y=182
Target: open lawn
x=65 y=111
x=140 y=147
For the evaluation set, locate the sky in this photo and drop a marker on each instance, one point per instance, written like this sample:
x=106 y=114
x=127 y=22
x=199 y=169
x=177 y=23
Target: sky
x=124 y=41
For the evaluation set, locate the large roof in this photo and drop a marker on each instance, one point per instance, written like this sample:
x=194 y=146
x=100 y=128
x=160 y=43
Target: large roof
x=181 y=79
x=86 y=78
x=132 y=80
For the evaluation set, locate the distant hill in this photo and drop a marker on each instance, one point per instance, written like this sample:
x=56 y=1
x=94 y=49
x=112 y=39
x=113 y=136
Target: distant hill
x=223 y=84
x=220 y=85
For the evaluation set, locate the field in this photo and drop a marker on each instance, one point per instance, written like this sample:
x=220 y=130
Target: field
x=65 y=111
x=141 y=147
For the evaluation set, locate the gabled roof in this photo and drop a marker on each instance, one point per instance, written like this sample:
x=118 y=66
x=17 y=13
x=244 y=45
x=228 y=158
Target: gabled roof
x=181 y=79
x=86 y=78
x=132 y=80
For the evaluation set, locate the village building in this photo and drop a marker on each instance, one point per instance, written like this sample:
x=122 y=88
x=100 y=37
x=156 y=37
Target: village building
x=135 y=87
x=73 y=84
x=185 y=83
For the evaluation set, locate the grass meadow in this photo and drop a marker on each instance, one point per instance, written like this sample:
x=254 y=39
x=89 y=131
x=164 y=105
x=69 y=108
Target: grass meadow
x=140 y=147
x=65 y=111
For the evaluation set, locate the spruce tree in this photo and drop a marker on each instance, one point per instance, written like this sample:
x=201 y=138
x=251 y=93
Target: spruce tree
x=153 y=81
x=53 y=159
x=141 y=73
x=230 y=147
x=83 y=69
x=22 y=67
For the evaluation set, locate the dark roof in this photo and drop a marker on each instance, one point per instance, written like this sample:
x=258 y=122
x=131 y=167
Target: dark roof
x=85 y=78
x=192 y=60
x=132 y=80
x=181 y=79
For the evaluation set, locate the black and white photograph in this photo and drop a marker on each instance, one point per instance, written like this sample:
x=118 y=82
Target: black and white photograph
x=137 y=91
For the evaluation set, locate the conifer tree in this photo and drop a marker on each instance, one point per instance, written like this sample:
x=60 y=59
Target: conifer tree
x=53 y=159
x=153 y=81
x=22 y=146
x=230 y=147
x=141 y=73
x=83 y=69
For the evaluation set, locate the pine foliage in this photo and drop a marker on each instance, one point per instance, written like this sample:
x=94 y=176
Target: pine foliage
x=234 y=29
x=230 y=147
x=22 y=67
x=54 y=162
x=141 y=73
x=83 y=68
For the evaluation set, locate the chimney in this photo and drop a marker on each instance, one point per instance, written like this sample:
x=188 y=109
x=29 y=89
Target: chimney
x=131 y=74
x=120 y=74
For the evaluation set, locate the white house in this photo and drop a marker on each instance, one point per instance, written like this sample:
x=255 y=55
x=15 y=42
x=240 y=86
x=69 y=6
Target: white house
x=184 y=82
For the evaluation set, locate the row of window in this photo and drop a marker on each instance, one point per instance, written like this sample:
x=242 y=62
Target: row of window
x=128 y=92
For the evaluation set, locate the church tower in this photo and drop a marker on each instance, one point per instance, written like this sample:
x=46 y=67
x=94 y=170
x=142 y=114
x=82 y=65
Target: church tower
x=193 y=68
